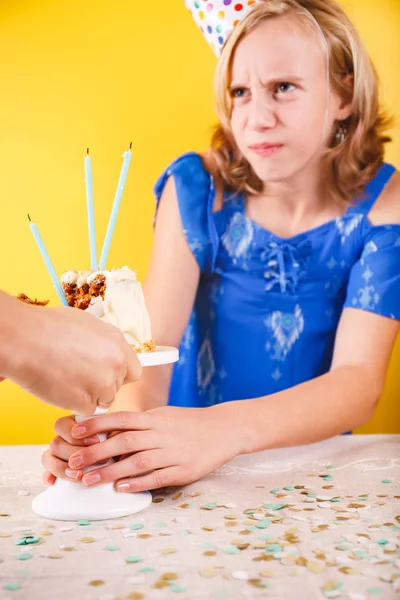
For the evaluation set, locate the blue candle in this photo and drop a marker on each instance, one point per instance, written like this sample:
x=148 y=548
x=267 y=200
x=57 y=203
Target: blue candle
x=90 y=212
x=114 y=212
x=48 y=263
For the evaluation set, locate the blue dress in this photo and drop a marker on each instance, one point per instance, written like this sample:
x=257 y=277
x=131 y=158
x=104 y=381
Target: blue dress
x=267 y=308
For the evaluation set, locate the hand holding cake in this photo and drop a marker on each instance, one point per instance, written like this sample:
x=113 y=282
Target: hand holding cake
x=64 y=357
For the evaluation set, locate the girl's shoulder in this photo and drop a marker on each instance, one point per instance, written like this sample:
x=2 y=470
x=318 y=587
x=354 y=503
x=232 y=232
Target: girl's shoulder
x=386 y=208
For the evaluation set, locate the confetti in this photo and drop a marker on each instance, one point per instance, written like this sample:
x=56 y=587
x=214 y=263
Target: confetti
x=12 y=587
x=96 y=582
x=133 y=559
x=208 y=573
x=240 y=575
x=83 y=523
x=137 y=526
x=24 y=556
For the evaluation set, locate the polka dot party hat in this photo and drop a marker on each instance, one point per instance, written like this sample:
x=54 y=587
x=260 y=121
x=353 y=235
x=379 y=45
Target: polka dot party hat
x=217 y=18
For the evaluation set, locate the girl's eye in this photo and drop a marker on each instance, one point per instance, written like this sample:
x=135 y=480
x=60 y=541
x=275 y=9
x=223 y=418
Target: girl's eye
x=238 y=92
x=285 y=87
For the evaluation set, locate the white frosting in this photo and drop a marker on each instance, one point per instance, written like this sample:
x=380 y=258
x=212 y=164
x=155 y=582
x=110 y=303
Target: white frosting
x=123 y=304
x=69 y=277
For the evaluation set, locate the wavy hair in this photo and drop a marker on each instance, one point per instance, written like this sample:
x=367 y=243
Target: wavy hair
x=352 y=160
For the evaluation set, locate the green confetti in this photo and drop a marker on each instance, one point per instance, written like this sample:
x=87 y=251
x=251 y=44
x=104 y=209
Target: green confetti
x=274 y=548
x=133 y=559
x=376 y=591
x=112 y=548
x=311 y=495
x=83 y=523
x=386 y=481
x=336 y=499
x=382 y=542
x=210 y=505
x=177 y=588
x=327 y=477
x=160 y=525
x=137 y=526
x=274 y=491
x=24 y=556
x=265 y=537
x=274 y=506
x=289 y=488
x=263 y=524
x=146 y=570
x=30 y=539
x=12 y=587
x=231 y=550
x=330 y=467
x=184 y=532
x=361 y=553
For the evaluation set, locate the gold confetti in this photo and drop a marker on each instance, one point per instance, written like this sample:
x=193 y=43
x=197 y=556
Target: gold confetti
x=208 y=573
x=161 y=584
x=5 y=535
x=3 y=514
x=315 y=567
x=301 y=561
x=135 y=596
x=245 y=532
x=67 y=548
x=158 y=500
x=195 y=494
x=231 y=524
x=267 y=574
x=55 y=555
x=169 y=576
x=166 y=551
x=348 y=571
x=330 y=586
x=46 y=533
x=86 y=540
x=177 y=496
x=256 y=582
x=231 y=517
x=206 y=528
x=96 y=582
x=145 y=536
x=209 y=553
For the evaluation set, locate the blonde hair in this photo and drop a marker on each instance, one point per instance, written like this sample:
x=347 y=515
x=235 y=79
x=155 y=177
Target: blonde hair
x=349 y=163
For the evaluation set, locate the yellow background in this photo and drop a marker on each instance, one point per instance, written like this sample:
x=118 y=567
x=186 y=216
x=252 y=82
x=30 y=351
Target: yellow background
x=103 y=73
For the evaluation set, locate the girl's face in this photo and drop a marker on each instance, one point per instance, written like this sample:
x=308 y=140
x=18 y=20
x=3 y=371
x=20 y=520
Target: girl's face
x=282 y=110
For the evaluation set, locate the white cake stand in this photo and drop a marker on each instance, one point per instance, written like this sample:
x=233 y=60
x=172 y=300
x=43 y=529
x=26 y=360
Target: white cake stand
x=73 y=501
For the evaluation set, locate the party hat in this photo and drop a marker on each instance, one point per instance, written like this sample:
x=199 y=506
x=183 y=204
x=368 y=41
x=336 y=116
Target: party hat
x=218 y=18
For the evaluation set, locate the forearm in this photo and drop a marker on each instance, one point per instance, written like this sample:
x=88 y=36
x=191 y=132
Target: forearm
x=13 y=315
x=312 y=411
x=151 y=391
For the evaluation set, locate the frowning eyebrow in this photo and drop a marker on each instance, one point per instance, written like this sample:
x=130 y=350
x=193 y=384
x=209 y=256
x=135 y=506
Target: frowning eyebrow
x=282 y=78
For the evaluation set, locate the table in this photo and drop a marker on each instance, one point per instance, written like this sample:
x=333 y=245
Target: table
x=317 y=521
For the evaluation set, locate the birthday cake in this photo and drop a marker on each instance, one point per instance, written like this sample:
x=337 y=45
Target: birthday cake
x=115 y=297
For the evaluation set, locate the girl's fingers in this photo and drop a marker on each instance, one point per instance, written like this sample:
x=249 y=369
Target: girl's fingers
x=121 y=421
x=48 y=478
x=59 y=468
x=63 y=429
x=170 y=476
x=62 y=449
x=122 y=443
x=134 y=465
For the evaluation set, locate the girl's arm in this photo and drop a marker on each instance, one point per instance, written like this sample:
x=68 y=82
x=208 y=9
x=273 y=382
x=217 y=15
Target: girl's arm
x=170 y=289
x=328 y=405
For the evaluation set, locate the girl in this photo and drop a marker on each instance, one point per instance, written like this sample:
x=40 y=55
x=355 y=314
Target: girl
x=276 y=264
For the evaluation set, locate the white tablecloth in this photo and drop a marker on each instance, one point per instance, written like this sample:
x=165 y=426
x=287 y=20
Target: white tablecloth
x=238 y=533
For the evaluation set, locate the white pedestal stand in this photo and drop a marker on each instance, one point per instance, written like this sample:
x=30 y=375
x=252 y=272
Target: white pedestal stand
x=73 y=501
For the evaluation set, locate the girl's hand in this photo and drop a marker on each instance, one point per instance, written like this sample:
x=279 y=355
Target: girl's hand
x=55 y=460
x=166 y=446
